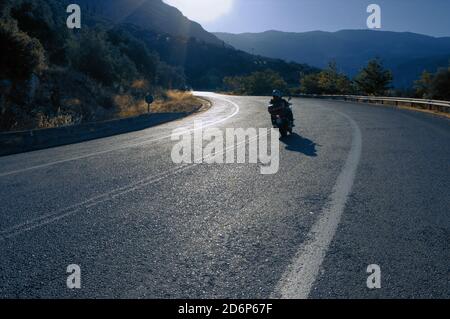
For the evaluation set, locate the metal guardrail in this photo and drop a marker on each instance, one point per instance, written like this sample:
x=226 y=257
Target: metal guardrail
x=432 y=105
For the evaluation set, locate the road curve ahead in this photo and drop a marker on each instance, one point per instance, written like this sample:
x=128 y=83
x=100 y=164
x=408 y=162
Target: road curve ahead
x=357 y=185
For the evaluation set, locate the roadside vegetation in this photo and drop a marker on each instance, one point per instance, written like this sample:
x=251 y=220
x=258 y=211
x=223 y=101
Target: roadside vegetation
x=52 y=76
x=167 y=101
x=434 y=86
x=375 y=80
x=372 y=80
x=257 y=83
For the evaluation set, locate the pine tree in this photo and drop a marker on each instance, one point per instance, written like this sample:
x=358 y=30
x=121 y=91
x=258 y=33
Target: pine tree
x=423 y=85
x=374 y=79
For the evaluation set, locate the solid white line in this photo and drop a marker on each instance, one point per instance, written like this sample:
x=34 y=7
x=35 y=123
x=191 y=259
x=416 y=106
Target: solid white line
x=297 y=281
x=236 y=111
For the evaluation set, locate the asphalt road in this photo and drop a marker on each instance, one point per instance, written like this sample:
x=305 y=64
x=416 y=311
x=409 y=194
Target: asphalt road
x=357 y=185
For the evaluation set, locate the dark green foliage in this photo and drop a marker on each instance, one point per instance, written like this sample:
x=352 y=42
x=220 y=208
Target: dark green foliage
x=170 y=77
x=93 y=55
x=434 y=86
x=373 y=79
x=423 y=85
x=258 y=83
x=42 y=19
x=440 y=88
x=21 y=54
x=309 y=84
x=328 y=81
x=146 y=62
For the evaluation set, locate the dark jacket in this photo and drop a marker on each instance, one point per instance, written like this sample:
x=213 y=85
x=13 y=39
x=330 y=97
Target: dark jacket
x=281 y=107
x=278 y=106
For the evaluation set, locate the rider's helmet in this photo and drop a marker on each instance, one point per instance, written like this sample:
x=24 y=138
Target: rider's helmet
x=277 y=93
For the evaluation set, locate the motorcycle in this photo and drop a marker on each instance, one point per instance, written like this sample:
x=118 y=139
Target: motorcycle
x=281 y=121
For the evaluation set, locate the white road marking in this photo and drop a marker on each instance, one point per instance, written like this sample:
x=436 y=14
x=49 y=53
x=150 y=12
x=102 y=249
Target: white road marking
x=297 y=281
x=236 y=111
x=96 y=200
x=57 y=215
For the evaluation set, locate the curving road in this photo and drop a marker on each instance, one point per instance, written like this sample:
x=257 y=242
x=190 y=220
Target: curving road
x=357 y=185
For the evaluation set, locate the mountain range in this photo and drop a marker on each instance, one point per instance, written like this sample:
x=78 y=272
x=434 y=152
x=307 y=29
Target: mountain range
x=180 y=42
x=406 y=54
x=155 y=15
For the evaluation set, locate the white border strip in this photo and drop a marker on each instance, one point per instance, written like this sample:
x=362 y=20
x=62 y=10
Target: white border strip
x=297 y=281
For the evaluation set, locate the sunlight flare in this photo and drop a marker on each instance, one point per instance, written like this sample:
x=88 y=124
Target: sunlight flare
x=202 y=10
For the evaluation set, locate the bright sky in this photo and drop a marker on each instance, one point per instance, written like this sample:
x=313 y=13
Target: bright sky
x=422 y=16
x=203 y=11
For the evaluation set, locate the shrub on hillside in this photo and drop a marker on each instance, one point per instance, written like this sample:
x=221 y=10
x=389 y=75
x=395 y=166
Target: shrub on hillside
x=93 y=55
x=328 y=81
x=440 y=87
x=43 y=20
x=146 y=62
x=257 y=83
x=21 y=54
x=434 y=86
x=373 y=79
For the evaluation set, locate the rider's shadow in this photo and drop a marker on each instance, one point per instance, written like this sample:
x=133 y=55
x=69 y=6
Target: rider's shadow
x=296 y=143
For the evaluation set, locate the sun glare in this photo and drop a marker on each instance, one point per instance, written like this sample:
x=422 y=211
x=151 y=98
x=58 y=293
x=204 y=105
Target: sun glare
x=202 y=10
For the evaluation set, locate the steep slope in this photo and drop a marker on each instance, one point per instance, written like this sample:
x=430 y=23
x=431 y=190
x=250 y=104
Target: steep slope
x=205 y=59
x=207 y=64
x=351 y=49
x=152 y=14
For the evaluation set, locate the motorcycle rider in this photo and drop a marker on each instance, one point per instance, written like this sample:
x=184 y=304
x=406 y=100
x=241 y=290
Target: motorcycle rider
x=280 y=106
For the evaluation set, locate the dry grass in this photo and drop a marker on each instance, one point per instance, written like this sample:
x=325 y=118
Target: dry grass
x=411 y=108
x=178 y=101
x=44 y=121
x=173 y=101
x=125 y=106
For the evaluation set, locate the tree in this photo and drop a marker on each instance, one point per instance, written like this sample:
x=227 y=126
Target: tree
x=146 y=62
x=93 y=55
x=257 y=83
x=345 y=85
x=373 y=79
x=309 y=84
x=329 y=81
x=423 y=85
x=434 y=86
x=440 y=87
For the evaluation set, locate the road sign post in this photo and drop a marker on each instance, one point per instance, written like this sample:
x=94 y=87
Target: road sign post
x=149 y=100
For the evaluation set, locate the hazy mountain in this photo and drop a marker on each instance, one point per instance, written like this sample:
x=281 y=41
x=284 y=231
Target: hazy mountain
x=152 y=14
x=407 y=54
x=204 y=58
